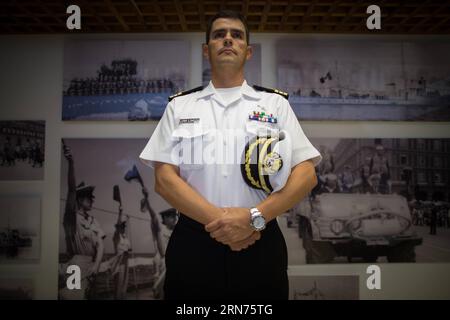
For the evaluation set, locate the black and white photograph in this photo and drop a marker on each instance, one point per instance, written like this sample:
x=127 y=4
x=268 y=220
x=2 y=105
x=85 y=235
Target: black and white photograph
x=16 y=289
x=252 y=68
x=122 y=80
x=20 y=228
x=377 y=200
x=113 y=225
x=320 y=287
x=366 y=79
x=22 y=150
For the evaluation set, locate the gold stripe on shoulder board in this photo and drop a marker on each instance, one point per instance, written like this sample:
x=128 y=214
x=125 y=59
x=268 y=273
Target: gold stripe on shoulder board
x=280 y=92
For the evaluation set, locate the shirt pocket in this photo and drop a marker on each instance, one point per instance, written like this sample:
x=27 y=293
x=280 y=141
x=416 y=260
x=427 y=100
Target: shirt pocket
x=191 y=141
x=261 y=129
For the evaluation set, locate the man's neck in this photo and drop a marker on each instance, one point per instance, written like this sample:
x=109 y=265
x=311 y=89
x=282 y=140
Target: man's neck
x=227 y=79
x=83 y=212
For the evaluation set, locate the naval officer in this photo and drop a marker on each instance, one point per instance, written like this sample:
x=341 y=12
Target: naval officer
x=230 y=158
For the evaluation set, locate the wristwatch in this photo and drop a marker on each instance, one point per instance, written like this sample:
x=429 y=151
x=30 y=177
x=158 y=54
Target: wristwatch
x=257 y=220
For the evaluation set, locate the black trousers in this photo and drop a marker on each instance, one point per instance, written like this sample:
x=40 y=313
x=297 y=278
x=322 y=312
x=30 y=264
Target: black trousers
x=200 y=268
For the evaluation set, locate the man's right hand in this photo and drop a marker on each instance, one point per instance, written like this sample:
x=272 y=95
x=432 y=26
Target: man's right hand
x=244 y=244
x=67 y=153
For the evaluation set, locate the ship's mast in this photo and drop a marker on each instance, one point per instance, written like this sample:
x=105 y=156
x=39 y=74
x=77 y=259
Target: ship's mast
x=338 y=79
x=405 y=84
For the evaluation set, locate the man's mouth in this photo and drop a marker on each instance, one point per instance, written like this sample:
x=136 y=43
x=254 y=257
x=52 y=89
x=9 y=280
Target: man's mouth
x=227 y=50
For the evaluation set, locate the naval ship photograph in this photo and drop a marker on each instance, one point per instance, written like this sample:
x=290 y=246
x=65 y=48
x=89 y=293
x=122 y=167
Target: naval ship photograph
x=121 y=80
x=366 y=80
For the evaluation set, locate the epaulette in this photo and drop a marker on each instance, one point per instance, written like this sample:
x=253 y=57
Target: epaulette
x=183 y=93
x=270 y=90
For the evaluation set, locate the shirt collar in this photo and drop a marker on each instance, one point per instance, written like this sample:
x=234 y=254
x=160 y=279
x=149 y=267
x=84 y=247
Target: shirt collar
x=249 y=91
x=207 y=91
x=245 y=90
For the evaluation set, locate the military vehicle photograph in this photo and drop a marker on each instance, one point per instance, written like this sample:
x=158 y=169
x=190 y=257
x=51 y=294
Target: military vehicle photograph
x=377 y=200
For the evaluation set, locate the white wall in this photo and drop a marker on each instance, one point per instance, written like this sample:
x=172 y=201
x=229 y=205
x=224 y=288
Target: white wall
x=31 y=89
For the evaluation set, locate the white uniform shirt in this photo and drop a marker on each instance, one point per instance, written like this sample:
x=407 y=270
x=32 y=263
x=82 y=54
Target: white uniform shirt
x=218 y=130
x=87 y=236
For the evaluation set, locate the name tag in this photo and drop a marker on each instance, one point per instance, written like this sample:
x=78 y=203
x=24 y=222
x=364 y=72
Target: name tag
x=189 y=120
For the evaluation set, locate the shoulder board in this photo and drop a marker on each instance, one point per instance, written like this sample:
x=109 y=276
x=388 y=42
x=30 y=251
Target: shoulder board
x=270 y=90
x=183 y=93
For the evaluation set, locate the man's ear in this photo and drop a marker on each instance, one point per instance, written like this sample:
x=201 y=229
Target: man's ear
x=249 y=52
x=205 y=51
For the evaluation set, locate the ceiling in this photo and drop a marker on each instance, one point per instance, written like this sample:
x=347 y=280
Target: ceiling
x=287 y=16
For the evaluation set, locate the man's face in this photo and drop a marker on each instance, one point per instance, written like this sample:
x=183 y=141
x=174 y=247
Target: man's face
x=86 y=203
x=375 y=182
x=170 y=222
x=380 y=151
x=227 y=43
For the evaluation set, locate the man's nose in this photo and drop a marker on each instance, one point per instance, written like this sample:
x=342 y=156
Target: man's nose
x=228 y=40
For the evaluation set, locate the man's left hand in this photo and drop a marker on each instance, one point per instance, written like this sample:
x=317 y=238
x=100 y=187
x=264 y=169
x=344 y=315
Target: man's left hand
x=232 y=227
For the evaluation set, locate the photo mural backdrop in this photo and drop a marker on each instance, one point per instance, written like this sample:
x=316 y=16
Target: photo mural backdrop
x=377 y=200
x=122 y=80
x=127 y=219
x=22 y=150
x=20 y=228
x=16 y=289
x=303 y=287
x=370 y=79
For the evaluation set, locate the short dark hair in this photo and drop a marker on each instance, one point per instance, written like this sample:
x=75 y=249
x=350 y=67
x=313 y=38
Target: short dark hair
x=230 y=14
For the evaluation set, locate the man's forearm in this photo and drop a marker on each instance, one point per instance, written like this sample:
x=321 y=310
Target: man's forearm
x=99 y=256
x=181 y=196
x=301 y=181
x=71 y=176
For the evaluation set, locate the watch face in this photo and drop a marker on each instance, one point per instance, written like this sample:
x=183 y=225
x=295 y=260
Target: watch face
x=258 y=222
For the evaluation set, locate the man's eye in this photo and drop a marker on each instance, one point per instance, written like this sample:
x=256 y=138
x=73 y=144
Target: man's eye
x=219 y=34
x=237 y=34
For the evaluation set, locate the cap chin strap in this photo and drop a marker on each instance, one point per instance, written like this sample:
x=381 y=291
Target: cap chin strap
x=247 y=162
x=264 y=179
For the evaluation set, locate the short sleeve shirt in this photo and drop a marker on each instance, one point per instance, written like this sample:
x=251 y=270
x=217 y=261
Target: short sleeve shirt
x=88 y=234
x=205 y=137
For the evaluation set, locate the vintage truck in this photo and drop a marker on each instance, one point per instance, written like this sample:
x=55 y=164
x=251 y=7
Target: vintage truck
x=366 y=226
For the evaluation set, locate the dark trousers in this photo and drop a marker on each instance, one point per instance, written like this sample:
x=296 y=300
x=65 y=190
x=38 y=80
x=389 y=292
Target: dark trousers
x=200 y=268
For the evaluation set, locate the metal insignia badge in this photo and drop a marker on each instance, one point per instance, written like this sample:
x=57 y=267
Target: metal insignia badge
x=272 y=163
